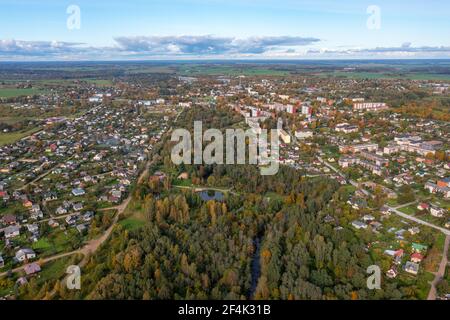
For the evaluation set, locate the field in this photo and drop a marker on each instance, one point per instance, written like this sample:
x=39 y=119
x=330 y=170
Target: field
x=230 y=71
x=131 y=223
x=376 y=75
x=17 y=92
x=7 y=138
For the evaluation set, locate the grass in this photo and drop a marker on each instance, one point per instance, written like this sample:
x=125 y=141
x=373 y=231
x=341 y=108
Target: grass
x=423 y=286
x=409 y=210
x=99 y=82
x=380 y=75
x=42 y=244
x=54 y=270
x=131 y=223
x=231 y=71
x=13 y=120
x=274 y=196
x=17 y=92
x=182 y=183
x=11 y=137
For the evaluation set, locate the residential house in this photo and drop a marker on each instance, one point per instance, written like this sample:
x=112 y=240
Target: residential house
x=412 y=268
x=21 y=281
x=78 y=206
x=368 y=217
x=77 y=192
x=49 y=196
x=436 y=211
x=11 y=232
x=9 y=219
x=53 y=223
x=88 y=216
x=398 y=256
x=33 y=228
x=385 y=211
x=359 y=224
x=416 y=257
x=32 y=268
x=71 y=220
x=419 y=248
x=392 y=272
x=25 y=254
x=61 y=210
x=81 y=228
x=183 y=176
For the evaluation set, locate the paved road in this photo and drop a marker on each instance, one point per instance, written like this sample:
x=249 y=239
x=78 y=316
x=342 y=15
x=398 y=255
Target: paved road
x=415 y=219
x=441 y=271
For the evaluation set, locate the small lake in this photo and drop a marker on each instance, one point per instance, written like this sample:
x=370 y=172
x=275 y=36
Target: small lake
x=207 y=195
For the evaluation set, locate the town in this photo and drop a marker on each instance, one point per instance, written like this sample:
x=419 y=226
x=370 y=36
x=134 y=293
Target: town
x=66 y=181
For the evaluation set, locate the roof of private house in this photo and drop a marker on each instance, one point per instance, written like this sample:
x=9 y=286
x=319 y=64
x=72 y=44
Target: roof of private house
x=411 y=265
x=8 y=218
x=419 y=246
x=417 y=255
x=11 y=229
x=32 y=268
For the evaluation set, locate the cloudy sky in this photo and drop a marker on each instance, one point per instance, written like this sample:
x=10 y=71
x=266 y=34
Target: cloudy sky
x=223 y=29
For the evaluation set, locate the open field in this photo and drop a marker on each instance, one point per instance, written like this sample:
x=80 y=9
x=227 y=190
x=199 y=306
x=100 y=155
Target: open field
x=7 y=138
x=17 y=92
x=230 y=71
x=131 y=223
x=376 y=75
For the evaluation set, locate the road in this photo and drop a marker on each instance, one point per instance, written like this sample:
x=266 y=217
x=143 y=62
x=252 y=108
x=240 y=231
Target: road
x=353 y=183
x=442 y=266
x=417 y=220
x=199 y=189
x=91 y=246
x=441 y=271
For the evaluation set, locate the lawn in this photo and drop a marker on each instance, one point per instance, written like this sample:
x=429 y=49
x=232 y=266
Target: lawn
x=274 y=196
x=131 y=223
x=423 y=286
x=42 y=244
x=182 y=183
x=410 y=210
x=55 y=269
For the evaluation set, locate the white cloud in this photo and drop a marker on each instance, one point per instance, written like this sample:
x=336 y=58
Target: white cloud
x=207 y=47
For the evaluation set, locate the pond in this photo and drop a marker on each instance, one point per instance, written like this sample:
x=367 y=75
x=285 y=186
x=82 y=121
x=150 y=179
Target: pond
x=207 y=195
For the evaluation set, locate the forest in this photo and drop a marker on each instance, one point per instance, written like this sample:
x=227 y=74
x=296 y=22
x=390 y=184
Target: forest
x=266 y=240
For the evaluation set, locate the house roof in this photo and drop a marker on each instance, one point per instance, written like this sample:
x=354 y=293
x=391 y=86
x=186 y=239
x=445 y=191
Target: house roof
x=416 y=255
x=32 y=268
x=419 y=246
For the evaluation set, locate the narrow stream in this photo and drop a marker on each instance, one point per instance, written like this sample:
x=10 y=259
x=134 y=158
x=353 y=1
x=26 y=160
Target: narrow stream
x=256 y=266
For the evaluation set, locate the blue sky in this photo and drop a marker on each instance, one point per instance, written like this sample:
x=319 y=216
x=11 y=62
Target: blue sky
x=178 y=29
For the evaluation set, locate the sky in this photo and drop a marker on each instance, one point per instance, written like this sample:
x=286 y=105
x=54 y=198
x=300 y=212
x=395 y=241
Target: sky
x=223 y=29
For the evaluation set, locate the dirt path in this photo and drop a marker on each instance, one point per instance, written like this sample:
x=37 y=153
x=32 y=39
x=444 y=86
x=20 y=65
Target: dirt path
x=92 y=246
x=441 y=271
